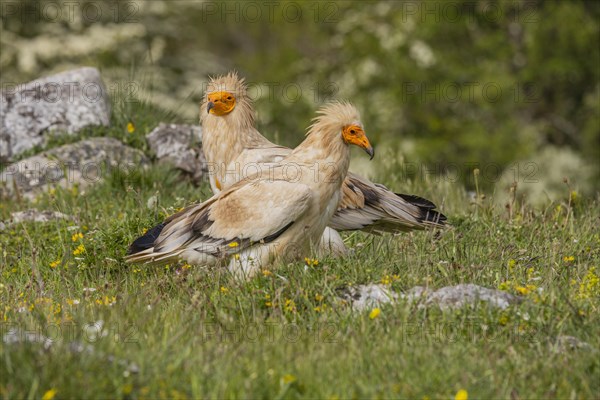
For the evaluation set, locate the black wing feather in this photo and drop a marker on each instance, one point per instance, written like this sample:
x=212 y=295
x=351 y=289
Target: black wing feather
x=427 y=208
x=147 y=240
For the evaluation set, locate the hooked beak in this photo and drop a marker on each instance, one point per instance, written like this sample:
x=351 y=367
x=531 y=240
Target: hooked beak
x=354 y=134
x=210 y=106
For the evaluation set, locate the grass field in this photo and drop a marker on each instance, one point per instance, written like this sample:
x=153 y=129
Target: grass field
x=192 y=332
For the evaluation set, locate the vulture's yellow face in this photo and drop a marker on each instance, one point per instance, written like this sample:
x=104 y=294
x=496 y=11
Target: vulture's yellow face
x=354 y=134
x=220 y=103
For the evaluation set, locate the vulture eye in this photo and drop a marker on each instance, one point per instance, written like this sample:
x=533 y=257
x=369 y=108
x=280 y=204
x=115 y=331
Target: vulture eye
x=352 y=131
x=229 y=98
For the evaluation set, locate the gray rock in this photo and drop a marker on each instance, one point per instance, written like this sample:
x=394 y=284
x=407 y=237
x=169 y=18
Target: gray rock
x=180 y=146
x=451 y=297
x=566 y=343
x=65 y=102
x=33 y=215
x=363 y=297
x=82 y=164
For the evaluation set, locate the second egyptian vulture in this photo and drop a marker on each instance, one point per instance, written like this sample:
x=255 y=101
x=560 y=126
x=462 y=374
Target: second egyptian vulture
x=264 y=217
x=234 y=149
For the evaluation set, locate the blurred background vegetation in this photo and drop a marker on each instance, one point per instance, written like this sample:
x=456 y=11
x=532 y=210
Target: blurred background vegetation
x=510 y=87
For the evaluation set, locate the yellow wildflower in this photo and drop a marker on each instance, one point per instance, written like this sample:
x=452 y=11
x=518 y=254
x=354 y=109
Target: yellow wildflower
x=107 y=301
x=374 y=313
x=525 y=290
x=574 y=196
x=388 y=280
x=77 y=236
x=522 y=290
x=568 y=259
x=319 y=297
x=49 y=394
x=311 y=261
x=266 y=272
x=511 y=264
x=234 y=244
x=462 y=394
x=127 y=388
x=130 y=127
x=290 y=305
x=288 y=378
x=590 y=285
x=268 y=302
x=79 y=250
x=224 y=290
x=54 y=264
x=503 y=320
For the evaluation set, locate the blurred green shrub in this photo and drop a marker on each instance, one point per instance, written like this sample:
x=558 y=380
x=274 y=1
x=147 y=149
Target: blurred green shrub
x=442 y=83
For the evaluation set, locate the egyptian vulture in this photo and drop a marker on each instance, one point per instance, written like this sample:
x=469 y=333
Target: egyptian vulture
x=234 y=149
x=265 y=217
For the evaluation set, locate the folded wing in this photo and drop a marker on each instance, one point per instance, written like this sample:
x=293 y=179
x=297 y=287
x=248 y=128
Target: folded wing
x=374 y=208
x=244 y=215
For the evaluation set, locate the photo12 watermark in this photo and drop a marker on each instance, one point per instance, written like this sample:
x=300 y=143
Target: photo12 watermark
x=53 y=92
x=270 y=11
x=68 y=11
x=53 y=172
x=470 y=11
x=469 y=92
x=48 y=334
